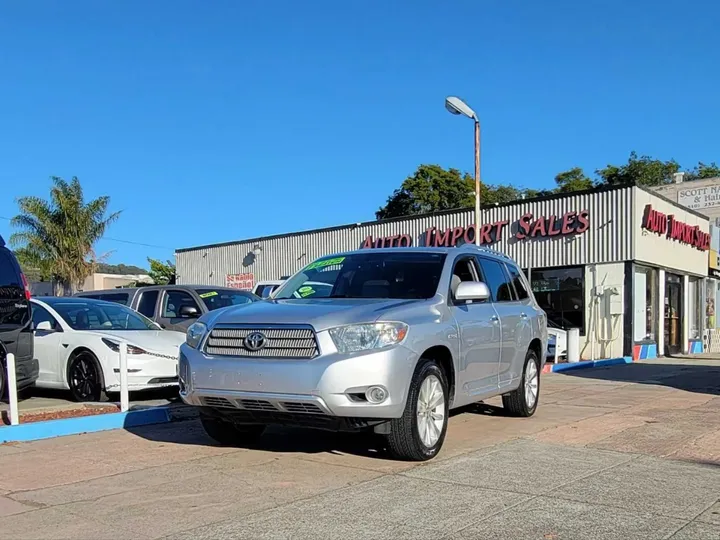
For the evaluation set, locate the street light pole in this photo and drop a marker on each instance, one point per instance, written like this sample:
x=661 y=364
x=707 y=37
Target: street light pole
x=477 y=181
x=457 y=106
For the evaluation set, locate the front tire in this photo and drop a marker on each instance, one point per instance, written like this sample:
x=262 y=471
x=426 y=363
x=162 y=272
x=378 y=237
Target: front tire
x=85 y=377
x=419 y=434
x=226 y=433
x=523 y=401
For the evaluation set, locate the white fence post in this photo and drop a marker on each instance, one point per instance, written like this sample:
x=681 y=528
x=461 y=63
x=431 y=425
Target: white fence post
x=12 y=389
x=573 y=345
x=124 y=396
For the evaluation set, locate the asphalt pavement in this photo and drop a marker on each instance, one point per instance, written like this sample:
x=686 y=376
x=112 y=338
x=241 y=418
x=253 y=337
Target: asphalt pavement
x=625 y=452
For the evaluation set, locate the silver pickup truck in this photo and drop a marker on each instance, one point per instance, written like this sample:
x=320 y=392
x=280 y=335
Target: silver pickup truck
x=394 y=340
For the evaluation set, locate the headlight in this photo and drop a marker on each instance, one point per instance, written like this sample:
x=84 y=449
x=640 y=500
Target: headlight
x=364 y=337
x=195 y=334
x=115 y=346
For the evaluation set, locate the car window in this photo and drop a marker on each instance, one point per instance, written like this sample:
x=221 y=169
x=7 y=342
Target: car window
x=40 y=314
x=101 y=316
x=174 y=300
x=497 y=280
x=221 y=298
x=118 y=298
x=464 y=270
x=146 y=304
x=518 y=282
x=402 y=275
x=12 y=293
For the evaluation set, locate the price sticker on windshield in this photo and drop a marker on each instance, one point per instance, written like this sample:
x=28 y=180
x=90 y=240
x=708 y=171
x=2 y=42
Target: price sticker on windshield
x=322 y=263
x=208 y=294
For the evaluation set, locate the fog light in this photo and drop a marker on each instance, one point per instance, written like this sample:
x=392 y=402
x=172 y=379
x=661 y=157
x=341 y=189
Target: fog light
x=376 y=394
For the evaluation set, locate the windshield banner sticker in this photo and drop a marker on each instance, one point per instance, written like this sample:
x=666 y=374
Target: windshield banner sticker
x=322 y=263
x=208 y=294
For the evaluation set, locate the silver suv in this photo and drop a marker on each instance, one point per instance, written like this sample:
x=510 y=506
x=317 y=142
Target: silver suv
x=394 y=340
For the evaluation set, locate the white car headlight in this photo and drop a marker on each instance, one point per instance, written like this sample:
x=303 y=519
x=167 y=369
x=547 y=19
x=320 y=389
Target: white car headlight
x=365 y=337
x=195 y=334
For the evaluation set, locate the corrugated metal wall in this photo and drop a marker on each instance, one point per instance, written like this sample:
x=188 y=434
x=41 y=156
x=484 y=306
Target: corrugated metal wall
x=608 y=239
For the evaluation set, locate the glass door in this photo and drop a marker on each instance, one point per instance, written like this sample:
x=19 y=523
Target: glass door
x=673 y=314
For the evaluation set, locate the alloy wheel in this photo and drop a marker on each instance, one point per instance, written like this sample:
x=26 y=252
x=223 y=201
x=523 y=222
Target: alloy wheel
x=531 y=383
x=84 y=378
x=430 y=411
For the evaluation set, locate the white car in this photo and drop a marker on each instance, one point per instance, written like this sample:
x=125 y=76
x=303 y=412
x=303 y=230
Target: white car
x=77 y=344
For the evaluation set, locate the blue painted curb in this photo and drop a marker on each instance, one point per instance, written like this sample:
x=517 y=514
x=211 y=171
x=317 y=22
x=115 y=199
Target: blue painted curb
x=35 y=431
x=591 y=364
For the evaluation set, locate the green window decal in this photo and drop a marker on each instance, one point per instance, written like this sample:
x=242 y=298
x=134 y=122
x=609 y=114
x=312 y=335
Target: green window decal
x=322 y=263
x=306 y=291
x=208 y=294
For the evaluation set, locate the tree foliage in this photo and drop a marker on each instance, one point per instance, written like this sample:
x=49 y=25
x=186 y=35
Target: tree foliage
x=119 y=269
x=57 y=236
x=162 y=273
x=432 y=188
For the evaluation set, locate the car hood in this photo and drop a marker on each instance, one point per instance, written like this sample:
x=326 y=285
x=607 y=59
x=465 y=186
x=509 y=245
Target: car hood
x=162 y=341
x=321 y=313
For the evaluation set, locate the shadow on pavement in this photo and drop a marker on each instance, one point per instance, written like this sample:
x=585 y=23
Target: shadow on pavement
x=698 y=378
x=284 y=439
x=275 y=439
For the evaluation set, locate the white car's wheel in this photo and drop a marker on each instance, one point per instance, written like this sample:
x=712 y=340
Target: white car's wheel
x=85 y=377
x=419 y=434
x=524 y=400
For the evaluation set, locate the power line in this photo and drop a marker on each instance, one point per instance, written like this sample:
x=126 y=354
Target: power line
x=119 y=240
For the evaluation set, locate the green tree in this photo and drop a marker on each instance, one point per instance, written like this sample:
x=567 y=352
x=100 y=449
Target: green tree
x=703 y=171
x=430 y=189
x=572 y=180
x=162 y=273
x=57 y=237
x=641 y=170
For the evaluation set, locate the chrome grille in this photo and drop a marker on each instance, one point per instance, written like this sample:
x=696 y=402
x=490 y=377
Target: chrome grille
x=218 y=402
x=298 y=407
x=257 y=405
x=279 y=343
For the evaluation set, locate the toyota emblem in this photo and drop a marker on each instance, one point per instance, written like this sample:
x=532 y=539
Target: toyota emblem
x=254 y=341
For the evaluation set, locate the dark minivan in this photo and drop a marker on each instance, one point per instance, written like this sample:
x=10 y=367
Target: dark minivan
x=16 y=335
x=174 y=307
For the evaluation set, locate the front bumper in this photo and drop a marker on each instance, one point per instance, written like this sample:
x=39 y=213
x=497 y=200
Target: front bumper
x=144 y=372
x=331 y=385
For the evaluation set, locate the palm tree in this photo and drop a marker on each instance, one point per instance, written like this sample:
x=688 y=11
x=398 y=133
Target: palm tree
x=58 y=236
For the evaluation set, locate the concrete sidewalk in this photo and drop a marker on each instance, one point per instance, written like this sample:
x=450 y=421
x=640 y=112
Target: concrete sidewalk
x=616 y=453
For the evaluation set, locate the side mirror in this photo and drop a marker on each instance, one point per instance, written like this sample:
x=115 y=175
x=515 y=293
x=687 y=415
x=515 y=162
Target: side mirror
x=45 y=326
x=472 y=290
x=189 y=311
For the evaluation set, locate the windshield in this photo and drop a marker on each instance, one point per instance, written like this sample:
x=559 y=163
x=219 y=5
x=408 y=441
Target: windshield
x=367 y=275
x=101 y=316
x=216 y=299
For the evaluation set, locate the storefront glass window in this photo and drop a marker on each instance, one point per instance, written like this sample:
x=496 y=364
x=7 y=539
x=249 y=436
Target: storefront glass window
x=694 y=307
x=645 y=303
x=561 y=293
x=711 y=291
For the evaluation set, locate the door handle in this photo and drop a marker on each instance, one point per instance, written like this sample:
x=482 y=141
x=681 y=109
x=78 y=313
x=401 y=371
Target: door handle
x=494 y=318
x=523 y=315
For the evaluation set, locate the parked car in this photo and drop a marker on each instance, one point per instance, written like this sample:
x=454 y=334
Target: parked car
x=174 y=307
x=264 y=289
x=557 y=342
x=77 y=342
x=405 y=335
x=15 y=323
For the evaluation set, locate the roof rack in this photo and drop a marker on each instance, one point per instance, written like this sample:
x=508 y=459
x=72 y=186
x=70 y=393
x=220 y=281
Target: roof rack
x=489 y=251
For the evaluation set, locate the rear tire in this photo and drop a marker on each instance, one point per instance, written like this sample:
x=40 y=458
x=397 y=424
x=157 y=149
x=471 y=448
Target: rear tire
x=523 y=401
x=419 y=434
x=226 y=433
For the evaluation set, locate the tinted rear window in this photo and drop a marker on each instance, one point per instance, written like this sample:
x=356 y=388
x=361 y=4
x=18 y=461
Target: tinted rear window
x=118 y=298
x=12 y=293
x=9 y=276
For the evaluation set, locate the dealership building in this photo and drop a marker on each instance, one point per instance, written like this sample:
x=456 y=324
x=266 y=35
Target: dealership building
x=625 y=265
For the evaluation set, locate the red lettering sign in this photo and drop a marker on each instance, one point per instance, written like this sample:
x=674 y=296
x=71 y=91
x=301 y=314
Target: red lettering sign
x=526 y=226
x=662 y=224
x=240 y=281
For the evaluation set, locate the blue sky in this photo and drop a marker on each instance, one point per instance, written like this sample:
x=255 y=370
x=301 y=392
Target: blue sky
x=217 y=121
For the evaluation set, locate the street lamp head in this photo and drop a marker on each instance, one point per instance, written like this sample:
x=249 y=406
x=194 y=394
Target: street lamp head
x=457 y=106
